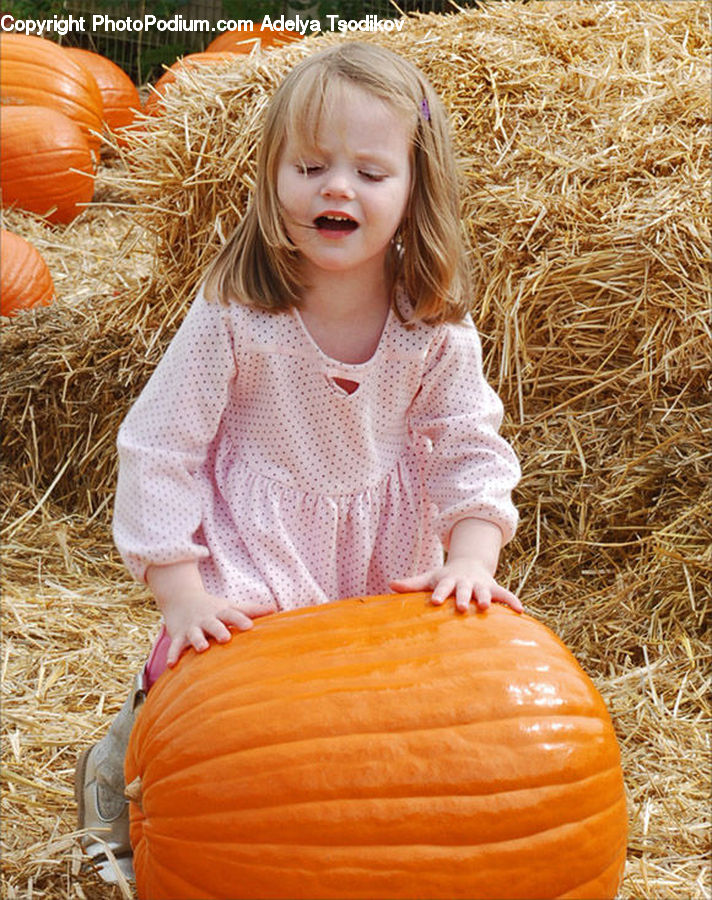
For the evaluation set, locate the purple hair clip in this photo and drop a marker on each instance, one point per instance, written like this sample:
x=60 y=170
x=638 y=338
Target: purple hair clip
x=425 y=109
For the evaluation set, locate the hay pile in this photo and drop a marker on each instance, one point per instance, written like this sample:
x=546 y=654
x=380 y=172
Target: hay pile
x=584 y=131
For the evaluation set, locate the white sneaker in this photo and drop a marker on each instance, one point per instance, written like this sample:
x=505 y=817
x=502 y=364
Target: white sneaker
x=104 y=816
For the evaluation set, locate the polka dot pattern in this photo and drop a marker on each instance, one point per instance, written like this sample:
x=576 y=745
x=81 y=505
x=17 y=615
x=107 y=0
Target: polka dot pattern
x=245 y=453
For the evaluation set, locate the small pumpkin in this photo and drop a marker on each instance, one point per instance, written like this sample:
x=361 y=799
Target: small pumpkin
x=46 y=166
x=191 y=61
x=37 y=72
x=25 y=280
x=378 y=747
x=244 y=41
x=120 y=99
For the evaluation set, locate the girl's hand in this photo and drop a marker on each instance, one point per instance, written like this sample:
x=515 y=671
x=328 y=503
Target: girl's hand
x=468 y=579
x=468 y=572
x=192 y=615
x=191 y=620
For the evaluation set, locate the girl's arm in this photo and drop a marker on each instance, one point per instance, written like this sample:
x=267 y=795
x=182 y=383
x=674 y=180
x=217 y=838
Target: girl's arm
x=469 y=472
x=469 y=571
x=469 y=469
x=191 y=614
x=165 y=438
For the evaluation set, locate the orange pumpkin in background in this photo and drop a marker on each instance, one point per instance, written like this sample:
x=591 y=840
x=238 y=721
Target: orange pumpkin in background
x=38 y=72
x=25 y=280
x=46 y=166
x=244 y=41
x=120 y=99
x=191 y=61
x=378 y=747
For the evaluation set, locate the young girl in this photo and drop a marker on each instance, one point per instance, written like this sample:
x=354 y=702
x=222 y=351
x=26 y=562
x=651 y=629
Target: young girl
x=320 y=426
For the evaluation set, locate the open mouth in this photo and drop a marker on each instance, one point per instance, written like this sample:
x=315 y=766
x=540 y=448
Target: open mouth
x=336 y=223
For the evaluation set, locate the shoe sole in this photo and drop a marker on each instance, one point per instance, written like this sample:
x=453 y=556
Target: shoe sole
x=80 y=772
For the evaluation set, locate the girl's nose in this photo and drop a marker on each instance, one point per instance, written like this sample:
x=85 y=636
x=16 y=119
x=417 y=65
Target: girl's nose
x=337 y=185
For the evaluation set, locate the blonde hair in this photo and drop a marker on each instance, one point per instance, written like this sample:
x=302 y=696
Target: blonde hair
x=260 y=266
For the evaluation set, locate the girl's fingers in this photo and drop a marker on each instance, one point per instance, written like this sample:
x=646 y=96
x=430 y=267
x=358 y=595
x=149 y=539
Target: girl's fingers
x=483 y=596
x=217 y=629
x=250 y=609
x=442 y=590
x=463 y=595
x=175 y=649
x=415 y=583
x=502 y=595
x=236 y=618
x=197 y=639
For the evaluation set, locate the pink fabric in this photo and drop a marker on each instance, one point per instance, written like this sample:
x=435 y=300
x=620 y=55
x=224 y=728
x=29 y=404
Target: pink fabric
x=157 y=661
x=244 y=454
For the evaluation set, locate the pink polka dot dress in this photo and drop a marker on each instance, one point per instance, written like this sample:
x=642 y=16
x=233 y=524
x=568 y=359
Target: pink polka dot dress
x=244 y=453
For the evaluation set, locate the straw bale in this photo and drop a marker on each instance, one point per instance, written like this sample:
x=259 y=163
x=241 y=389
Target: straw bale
x=583 y=129
x=585 y=151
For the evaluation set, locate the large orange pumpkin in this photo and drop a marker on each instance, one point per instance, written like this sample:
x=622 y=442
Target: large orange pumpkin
x=378 y=748
x=38 y=72
x=191 y=61
x=25 y=280
x=45 y=163
x=244 y=41
x=120 y=99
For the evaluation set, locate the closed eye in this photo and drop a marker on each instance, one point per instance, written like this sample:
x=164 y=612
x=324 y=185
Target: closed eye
x=372 y=176
x=309 y=169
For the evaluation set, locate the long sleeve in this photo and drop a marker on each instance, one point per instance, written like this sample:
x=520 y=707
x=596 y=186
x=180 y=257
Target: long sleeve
x=470 y=470
x=164 y=440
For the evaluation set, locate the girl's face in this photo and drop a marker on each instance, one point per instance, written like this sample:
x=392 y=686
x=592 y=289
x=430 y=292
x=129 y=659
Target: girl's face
x=344 y=197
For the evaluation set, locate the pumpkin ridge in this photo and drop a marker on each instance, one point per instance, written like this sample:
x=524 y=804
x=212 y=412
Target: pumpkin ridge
x=66 y=199
x=443 y=849
x=404 y=634
x=25 y=182
x=369 y=657
x=436 y=685
x=325 y=666
x=464 y=812
x=170 y=876
x=447 y=844
x=392 y=795
x=545 y=778
x=486 y=720
x=293 y=679
x=593 y=888
x=45 y=151
x=57 y=199
x=581 y=715
x=79 y=105
x=396 y=861
x=357 y=677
